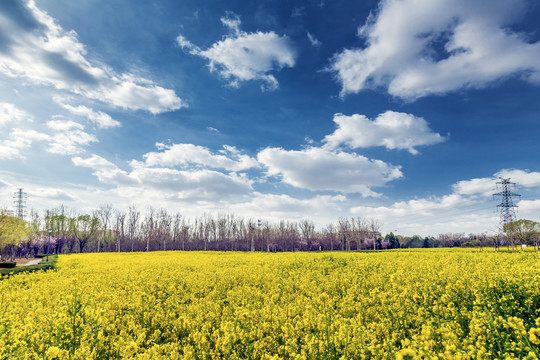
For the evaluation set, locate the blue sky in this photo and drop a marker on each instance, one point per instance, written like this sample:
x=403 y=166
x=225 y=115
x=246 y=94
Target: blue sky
x=405 y=111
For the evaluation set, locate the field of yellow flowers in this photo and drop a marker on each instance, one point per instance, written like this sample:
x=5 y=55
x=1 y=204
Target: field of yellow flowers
x=406 y=304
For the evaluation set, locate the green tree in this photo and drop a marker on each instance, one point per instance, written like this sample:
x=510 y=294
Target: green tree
x=84 y=227
x=12 y=232
x=394 y=241
x=522 y=231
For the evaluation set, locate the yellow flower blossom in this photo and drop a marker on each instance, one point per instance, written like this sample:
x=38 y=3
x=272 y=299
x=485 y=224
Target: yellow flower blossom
x=414 y=304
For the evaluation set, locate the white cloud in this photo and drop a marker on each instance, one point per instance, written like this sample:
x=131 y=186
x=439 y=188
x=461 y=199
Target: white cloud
x=188 y=154
x=275 y=207
x=191 y=184
x=19 y=140
x=101 y=119
x=69 y=137
x=65 y=137
x=525 y=178
x=242 y=56
x=232 y=21
x=487 y=186
x=320 y=169
x=38 y=49
x=405 y=41
x=391 y=129
x=10 y=113
x=313 y=40
x=104 y=170
x=431 y=216
x=478 y=186
x=186 y=44
x=470 y=208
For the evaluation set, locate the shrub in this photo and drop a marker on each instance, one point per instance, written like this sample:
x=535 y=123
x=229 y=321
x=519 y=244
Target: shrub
x=7 y=265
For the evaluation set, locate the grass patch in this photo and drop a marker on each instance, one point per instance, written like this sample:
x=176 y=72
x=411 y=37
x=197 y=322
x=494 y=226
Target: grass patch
x=43 y=265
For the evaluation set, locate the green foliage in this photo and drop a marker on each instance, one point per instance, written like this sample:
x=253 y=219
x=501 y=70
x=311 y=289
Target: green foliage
x=12 y=230
x=523 y=231
x=8 y=265
x=394 y=241
x=414 y=242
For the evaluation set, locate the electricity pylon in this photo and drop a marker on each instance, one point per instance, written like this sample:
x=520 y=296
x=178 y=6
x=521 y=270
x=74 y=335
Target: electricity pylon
x=19 y=199
x=506 y=207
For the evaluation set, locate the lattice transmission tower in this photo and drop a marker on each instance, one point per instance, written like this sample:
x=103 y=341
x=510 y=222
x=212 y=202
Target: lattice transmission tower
x=19 y=199
x=506 y=207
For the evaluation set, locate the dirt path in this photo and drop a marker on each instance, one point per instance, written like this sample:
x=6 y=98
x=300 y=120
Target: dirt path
x=27 y=262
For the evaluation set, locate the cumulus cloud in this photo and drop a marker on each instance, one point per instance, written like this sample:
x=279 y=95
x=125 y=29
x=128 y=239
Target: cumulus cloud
x=201 y=184
x=320 y=169
x=69 y=137
x=242 y=56
x=36 y=48
x=10 y=113
x=18 y=141
x=188 y=184
x=487 y=186
x=228 y=158
x=101 y=119
x=392 y=130
x=104 y=170
x=421 y=47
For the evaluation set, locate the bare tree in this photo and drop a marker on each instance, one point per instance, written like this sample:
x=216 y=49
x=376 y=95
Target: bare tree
x=104 y=213
x=120 y=229
x=163 y=227
x=330 y=235
x=133 y=223
x=344 y=230
x=374 y=227
x=149 y=227
x=307 y=229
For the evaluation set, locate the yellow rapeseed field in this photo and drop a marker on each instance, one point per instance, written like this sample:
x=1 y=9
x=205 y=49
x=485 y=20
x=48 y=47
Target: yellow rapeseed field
x=407 y=304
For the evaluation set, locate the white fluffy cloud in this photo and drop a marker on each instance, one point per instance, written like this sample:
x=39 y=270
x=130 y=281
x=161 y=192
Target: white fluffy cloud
x=487 y=186
x=64 y=137
x=391 y=129
x=229 y=158
x=104 y=170
x=189 y=184
x=36 y=48
x=101 y=119
x=320 y=169
x=18 y=141
x=421 y=47
x=10 y=113
x=242 y=56
x=69 y=137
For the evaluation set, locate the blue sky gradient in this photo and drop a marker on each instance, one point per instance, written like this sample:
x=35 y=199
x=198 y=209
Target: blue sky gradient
x=406 y=111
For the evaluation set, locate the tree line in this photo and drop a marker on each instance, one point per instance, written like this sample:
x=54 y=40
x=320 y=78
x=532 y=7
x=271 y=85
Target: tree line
x=63 y=230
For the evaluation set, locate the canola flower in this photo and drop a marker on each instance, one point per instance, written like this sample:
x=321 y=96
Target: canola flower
x=406 y=304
